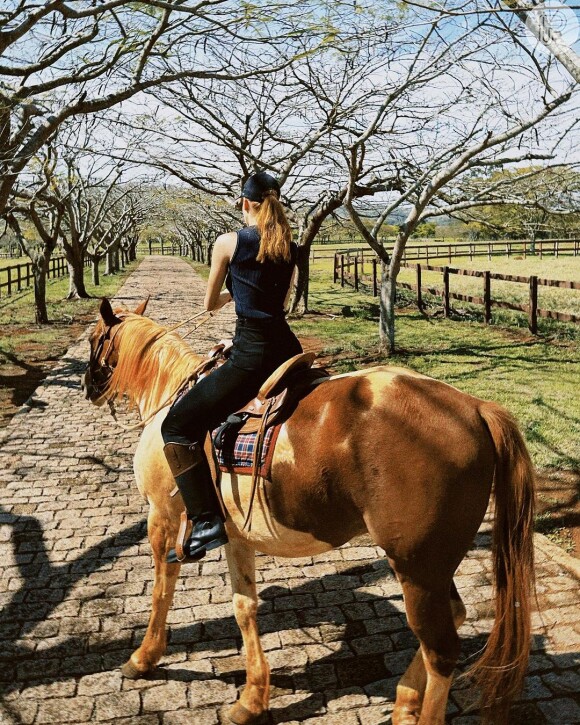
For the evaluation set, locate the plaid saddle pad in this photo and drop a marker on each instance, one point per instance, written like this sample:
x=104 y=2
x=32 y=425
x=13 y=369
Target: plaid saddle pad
x=237 y=453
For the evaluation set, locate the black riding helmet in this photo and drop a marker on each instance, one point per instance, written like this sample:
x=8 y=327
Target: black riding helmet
x=258 y=184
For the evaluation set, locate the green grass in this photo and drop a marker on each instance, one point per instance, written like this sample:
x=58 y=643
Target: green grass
x=18 y=309
x=11 y=261
x=201 y=268
x=536 y=378
x=549 y=298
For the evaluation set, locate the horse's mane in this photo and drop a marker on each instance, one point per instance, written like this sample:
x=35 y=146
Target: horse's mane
x=151 y=363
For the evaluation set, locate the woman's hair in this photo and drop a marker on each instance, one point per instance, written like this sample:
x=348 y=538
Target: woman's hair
x=274 y=229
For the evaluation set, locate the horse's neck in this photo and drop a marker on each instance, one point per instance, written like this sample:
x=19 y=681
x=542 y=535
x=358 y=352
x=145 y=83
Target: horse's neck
x=163 y=391
x=173 y=366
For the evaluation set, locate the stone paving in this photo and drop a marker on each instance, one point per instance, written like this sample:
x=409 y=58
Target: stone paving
x=77 y=578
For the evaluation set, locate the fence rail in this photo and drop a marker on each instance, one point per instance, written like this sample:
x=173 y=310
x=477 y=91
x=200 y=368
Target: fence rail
x=17 y=277
x=427 y=251
x=357 y=278
x=198 y=253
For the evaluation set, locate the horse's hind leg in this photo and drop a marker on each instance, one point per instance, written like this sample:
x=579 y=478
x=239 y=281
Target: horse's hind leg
x=162 y=532
x=254 y=700
x=411 y=689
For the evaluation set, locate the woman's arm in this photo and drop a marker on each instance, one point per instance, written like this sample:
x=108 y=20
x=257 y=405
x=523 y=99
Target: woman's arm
x=222 y=253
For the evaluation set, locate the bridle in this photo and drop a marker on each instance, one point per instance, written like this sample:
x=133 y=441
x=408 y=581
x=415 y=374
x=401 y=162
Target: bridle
x=101 y=376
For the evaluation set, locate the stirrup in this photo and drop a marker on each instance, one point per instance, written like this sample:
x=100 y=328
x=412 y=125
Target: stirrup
x=190 y=537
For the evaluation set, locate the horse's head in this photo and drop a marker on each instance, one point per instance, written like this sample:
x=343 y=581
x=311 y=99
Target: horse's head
x=104 y=350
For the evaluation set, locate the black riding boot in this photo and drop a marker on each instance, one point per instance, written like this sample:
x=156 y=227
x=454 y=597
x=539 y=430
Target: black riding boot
x=202 y=527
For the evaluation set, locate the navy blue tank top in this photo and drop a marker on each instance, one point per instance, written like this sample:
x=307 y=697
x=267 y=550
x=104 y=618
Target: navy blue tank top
x=258 y=288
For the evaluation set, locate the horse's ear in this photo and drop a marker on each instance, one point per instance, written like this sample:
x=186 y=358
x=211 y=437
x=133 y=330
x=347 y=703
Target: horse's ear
x=140 y=309
x=109 y=317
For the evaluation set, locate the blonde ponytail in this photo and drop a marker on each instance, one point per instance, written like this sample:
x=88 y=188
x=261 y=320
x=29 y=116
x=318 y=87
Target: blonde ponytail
x=274 y=229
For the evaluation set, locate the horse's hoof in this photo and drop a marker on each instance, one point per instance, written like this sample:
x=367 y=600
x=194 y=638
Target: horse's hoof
x=131 y=672
x=240 y=715
x=402 y=716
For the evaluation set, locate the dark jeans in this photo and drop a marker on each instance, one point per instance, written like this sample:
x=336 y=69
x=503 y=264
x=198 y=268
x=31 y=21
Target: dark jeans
x=259 y=348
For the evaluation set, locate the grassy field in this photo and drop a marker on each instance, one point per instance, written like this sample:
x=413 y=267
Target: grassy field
x=534 y=377
x=27 y=350
x=549 y=298
x=19 y=307
x=11 y=261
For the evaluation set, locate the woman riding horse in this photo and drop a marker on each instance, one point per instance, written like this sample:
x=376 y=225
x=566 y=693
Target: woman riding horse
x=256 y=264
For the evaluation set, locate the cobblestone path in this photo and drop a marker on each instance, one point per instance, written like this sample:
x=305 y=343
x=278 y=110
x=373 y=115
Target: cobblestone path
x=77 y=578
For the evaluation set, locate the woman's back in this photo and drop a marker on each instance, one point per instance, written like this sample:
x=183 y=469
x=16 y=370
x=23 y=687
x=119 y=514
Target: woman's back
x=258 y=288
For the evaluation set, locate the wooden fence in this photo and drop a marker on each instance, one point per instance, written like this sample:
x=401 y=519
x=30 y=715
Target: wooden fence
x=517 y=247
x=19 y=276
x=358 y=278
x=429 y=250
x=198 y=253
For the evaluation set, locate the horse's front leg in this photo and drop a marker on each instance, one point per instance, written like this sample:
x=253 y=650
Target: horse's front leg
x=162 y=530
x=254 y=700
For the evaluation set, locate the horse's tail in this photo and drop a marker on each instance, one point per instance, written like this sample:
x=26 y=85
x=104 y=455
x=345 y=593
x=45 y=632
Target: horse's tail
x=502 y=667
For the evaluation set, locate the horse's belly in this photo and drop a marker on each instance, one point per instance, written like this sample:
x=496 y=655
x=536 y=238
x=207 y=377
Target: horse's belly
x=263 y=530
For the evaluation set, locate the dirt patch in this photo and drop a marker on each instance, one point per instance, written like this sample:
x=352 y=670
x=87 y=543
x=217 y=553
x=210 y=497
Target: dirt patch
x=24 y=362
x=558 y=508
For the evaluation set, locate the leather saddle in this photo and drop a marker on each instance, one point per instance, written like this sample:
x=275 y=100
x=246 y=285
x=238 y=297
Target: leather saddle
x=277 y=397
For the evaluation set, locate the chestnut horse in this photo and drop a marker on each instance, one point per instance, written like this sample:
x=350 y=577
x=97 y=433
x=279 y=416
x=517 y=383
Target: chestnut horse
x=384 y=450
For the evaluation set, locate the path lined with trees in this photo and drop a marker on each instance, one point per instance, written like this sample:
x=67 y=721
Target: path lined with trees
x=368 y=111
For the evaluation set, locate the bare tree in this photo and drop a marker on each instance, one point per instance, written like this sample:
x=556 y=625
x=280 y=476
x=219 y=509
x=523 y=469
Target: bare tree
x=44 y=213
x=59 y=60
x=214 y=136
x=432 y=188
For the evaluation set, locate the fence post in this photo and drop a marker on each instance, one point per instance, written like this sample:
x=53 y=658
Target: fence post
x=342 y=270
x=375 y=288
x=489 y=251
x=19 y=274
x=356 y=273
x=419 y=293
x=556 y=247
x=470 y=252
x=9 y=270
x=449 y=253
x=335 y=270
x=446 y=291
x=541 y=249
x=487 y=296
x=533 y=308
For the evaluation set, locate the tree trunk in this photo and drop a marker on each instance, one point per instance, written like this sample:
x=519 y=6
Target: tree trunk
x=76 y=271
x=389 y=274
x=109 y=263
x=116 y=264
x=39 y=270
x=299 y=299
x=95 y=270
x=388 y=292
x=308 y=231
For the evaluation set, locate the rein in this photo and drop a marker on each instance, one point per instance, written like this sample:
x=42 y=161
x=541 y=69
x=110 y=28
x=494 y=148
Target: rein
x=189 y=378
